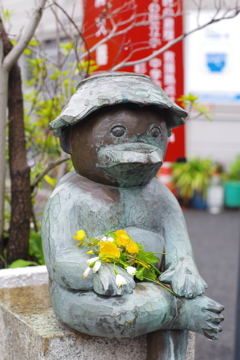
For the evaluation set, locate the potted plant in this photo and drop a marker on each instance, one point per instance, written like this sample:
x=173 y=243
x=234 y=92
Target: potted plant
x=232 y=185
x=192 y=179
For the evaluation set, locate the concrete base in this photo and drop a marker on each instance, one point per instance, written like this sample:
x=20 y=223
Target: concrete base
x=29 y=275
x=30 y=331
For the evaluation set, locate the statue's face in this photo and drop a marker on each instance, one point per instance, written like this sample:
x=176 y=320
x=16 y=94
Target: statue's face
x=122 y=145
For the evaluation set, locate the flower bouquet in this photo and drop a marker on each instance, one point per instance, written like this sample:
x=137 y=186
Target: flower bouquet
x=119 y=248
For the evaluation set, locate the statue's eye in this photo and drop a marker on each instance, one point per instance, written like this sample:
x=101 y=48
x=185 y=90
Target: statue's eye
x=155 y=131
x=118 y=130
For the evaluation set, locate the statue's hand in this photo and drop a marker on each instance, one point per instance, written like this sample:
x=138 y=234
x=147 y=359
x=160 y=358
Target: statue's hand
x=104 y=281
x=184 y=279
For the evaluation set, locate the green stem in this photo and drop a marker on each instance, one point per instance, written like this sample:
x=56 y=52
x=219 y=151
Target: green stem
x=115 y=270
x=160 y=253
x=165 y=287
x=156 y=269
x=4 y=261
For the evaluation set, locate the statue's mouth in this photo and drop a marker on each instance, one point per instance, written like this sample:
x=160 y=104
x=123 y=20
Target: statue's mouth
x=129 y=153
x=130 y=164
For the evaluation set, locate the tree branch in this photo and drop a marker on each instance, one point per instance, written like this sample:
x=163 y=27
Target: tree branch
x=26 y=36
x=79 y=33
x=50 y=166
x=125 y=63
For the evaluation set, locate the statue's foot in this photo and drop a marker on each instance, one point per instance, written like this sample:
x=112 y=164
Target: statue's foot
x=202 y=315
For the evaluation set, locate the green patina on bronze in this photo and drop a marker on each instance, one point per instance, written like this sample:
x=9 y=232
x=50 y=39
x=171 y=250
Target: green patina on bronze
x=116 y=153
x=115 y=88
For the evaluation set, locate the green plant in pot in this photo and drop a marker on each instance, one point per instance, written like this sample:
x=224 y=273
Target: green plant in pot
x=232 y=185
x=192 y=179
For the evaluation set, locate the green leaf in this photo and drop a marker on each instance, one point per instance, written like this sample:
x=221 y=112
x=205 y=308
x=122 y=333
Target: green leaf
x=33 y=42
x=111 y=233
x=7 y=14
x=150 y=258
x=140 y=274
x=35 y=247
x=150 y=275
x=27 y=52
x=234 y=170
x=22 y=263
x=189 y=98
x=147 y=257
x=141 y=247
x=51 y=181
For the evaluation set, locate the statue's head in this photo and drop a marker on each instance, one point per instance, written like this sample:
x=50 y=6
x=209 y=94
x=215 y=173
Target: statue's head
x=116 y=127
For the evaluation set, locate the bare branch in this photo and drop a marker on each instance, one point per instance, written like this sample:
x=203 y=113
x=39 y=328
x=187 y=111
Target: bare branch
x=134 y=24
x=175 y=41
x=26 y=36
x=50 y=166
x=42 y=55
x=114 y=33
x=79 y=33
x=147 y=58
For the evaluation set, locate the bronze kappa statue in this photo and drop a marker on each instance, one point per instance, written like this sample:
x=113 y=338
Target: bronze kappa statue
x=116 y=128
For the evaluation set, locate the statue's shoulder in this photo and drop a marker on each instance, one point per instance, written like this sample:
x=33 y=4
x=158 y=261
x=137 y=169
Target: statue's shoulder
x=158 y=189
x=161 y=193
x=68 y=186
x=74 y=188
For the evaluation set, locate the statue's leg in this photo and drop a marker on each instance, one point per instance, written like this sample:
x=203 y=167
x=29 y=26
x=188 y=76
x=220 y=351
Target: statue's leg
x=147 y=309
x=167 y=345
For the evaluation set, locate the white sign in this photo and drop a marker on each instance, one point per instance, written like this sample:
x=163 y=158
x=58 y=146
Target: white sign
x=213 y=60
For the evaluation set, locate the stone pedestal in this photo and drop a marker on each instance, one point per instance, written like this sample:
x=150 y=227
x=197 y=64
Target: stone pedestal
x=30 y=331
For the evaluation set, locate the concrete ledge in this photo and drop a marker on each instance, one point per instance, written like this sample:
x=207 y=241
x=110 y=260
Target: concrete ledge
x=30 y=331
x=30 y=275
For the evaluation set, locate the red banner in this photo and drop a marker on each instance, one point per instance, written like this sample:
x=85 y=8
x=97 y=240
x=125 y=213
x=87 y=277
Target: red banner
x=135 y=30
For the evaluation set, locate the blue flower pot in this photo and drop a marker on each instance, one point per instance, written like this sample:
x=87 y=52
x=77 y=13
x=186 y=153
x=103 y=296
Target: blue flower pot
x=198 y=202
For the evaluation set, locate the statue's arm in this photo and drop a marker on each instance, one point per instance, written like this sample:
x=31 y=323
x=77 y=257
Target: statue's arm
x=66 y=262
x=181 y=271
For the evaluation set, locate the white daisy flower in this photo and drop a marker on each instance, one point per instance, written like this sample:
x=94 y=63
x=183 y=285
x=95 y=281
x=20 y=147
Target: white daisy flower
x=110 y=239
x=97 y=266
x=120 y=280
x=86 y=272
x=90 y=261
x=131 y=270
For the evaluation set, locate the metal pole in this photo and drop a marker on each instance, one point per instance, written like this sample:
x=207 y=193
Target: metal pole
x=237 y=336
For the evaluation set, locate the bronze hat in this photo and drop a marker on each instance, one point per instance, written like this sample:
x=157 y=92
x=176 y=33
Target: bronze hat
x=106 y=89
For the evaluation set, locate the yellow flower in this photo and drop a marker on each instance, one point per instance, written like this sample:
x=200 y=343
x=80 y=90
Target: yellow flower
x=122 y=237
x=121 y=232
x=109 y=249
x=132 y=248
x=80 y=236
x=122 y=240
x=90 y=252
